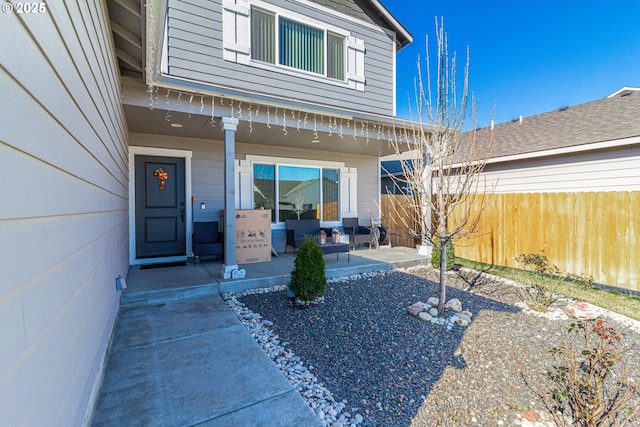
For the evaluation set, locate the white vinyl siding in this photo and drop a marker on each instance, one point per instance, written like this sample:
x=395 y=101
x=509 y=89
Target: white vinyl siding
x=63 y=216
x=614 y=169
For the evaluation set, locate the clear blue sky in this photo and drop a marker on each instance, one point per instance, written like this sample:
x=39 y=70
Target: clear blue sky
x=529 y=56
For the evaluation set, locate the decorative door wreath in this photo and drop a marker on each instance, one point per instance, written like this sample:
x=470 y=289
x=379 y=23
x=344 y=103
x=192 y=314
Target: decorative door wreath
x=162 y=177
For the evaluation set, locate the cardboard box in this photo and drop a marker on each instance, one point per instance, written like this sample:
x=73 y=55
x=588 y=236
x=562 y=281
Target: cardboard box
x=253 y=236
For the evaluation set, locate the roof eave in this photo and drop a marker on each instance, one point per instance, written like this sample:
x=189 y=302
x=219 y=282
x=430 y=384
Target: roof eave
x=404 y=37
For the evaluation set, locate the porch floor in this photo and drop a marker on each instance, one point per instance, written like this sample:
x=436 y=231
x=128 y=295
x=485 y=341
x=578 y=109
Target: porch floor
x=180 y=357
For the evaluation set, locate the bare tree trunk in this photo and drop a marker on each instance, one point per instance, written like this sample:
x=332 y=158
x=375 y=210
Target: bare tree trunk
x=443 y=277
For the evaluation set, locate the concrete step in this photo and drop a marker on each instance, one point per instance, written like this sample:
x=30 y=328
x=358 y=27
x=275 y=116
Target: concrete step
x=149 y=297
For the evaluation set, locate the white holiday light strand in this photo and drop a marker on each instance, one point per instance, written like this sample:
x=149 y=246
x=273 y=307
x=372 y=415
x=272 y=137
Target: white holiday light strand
x=250 y=118
x=213 y=111
x=341 y=137
x=367 y=134
x=268 y=118
x=190 y=105
x=240 y=110
x=167 y=116
x=315 y=128
x=298 y=123
x=150 y=92
x=276 y=115
x=284 y=122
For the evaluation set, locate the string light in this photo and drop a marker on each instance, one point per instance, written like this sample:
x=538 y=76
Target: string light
x=150 y=92
x=284 y=122
x=315 y=130
x=213 y=111
x=301 y=122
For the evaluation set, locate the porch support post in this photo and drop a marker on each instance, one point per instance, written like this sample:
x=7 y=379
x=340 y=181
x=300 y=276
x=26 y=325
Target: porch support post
x=230 y=268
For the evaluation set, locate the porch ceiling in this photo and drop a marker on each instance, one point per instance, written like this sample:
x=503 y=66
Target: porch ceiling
x=145 y=120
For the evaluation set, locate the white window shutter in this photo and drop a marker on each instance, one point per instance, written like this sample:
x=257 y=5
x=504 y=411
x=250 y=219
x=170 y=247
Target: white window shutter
x=349 y=192
x=355 y=63
x=235 y=31
x=244 y=188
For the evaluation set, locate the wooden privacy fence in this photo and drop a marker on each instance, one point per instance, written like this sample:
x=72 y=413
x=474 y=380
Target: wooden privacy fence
x=399 y=234
x=595 y=233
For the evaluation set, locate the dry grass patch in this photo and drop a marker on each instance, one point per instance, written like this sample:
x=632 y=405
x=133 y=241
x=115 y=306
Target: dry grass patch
x=613 y=301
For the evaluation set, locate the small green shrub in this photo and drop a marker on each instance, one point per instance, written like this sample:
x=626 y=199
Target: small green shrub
x=542 y=280
x=308 y=279
x=450 y=255
x=590 y=385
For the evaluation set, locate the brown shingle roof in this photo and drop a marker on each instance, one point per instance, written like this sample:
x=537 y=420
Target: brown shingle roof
x=603 y=120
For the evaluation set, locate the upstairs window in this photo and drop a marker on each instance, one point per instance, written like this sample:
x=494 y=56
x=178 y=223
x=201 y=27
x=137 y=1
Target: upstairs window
x=296 y=45
x=265 y=36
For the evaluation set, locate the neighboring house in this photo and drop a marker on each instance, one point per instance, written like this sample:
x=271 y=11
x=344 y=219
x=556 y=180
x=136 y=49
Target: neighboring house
x=588 y=147
x=118 y=117
x=566 y=182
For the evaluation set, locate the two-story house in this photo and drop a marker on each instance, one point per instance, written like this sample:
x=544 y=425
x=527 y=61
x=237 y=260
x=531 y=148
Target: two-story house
x=217 y=104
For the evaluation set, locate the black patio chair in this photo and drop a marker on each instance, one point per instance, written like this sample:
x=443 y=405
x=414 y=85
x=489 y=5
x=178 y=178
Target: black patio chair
x=207 y=240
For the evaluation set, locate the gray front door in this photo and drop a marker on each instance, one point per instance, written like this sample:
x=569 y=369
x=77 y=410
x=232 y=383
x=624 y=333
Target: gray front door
x=160 y=206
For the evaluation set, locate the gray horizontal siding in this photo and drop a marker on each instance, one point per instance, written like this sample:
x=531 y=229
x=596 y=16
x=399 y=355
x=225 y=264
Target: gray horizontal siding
x=195 y=52
x=64 y=210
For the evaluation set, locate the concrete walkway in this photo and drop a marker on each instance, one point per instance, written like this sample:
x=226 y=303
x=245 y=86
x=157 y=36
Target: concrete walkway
x=191 y=362
x=180 y=357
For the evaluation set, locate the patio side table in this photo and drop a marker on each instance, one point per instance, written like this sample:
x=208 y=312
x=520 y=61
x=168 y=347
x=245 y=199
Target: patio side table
x=335 y=248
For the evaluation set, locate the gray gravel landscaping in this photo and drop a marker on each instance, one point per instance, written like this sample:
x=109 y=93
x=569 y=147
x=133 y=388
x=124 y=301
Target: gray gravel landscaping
x=383 y=367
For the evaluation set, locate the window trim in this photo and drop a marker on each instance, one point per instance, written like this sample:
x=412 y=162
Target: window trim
x=326 y=28
x=302 y=163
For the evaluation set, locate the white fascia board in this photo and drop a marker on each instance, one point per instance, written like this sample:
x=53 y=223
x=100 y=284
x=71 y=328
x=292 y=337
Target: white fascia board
x=398 y=26
x=619 y=91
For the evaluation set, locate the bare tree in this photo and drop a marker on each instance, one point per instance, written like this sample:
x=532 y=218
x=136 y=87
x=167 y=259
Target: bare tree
x=298 y=205
x=441 y=171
